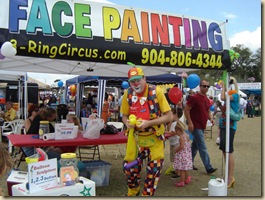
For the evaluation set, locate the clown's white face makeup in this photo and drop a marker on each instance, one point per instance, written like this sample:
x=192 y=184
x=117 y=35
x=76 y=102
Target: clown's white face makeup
x=138 y=85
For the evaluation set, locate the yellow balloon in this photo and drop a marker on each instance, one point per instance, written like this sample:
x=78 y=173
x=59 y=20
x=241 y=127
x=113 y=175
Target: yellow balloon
x=132 y=119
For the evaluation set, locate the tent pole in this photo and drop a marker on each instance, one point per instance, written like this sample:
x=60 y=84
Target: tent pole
x=25 y=95
x=227 y=131
x=20 y=96
x=101 y=96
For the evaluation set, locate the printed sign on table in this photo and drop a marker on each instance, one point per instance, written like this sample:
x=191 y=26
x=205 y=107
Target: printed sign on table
x=42 y=175
x=65 y=131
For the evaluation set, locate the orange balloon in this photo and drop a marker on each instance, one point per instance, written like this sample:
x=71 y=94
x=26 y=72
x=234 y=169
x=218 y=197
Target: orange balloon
x=72 y=88
x=230 y=92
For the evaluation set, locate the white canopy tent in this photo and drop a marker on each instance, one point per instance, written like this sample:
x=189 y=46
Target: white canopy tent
x=73 y=67
x=21 y=77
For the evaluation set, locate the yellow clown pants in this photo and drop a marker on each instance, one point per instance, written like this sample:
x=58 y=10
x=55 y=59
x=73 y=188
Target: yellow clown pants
x=155 y=155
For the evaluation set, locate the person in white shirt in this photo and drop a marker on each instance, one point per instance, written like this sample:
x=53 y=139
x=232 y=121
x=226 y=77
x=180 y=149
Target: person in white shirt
x=217 y=113
x=242 y=104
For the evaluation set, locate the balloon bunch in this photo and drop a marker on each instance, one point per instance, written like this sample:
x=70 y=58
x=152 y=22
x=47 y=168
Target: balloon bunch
x=7 y=50
x=233 y=55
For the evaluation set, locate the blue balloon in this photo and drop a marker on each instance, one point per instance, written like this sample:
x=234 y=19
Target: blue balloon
x=193 y=81
x=125 y=85
x=212 y=108
x=60 y=83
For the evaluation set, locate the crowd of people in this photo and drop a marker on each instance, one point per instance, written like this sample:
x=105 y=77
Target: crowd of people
x=155 y=114
x=198 y=109
x=89 y=106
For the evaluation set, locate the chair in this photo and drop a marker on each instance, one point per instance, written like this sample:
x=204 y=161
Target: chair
x=15 y=127
x=88 y=152
x=120 y=127
x=7 y=128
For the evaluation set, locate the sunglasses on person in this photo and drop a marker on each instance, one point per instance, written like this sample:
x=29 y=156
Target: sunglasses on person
x=205 y=86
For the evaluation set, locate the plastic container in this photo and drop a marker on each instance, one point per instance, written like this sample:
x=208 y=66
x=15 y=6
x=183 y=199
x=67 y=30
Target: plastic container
x=98 y=171
x=69 y=176
x=217 y=187
x=32 y=159
x=44 y=128
x=69 y=159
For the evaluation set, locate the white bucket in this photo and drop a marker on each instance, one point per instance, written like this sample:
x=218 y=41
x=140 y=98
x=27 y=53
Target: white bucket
x=217 y=187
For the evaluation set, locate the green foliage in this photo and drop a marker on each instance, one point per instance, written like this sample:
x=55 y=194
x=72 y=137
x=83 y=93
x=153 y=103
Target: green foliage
x=248 y=65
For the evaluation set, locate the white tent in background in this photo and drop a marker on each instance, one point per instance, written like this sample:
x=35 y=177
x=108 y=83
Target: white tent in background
x=21 y=77
x=41 y=85
x=242 y=93
x=213 y=91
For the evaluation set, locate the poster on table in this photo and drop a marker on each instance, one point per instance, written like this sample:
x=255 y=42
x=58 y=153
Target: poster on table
x=65 y=131
x=42 y=175
x=109 y=33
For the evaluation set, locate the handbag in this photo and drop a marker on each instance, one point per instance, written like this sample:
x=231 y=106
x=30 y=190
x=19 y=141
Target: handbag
x=92 y=126
x=236 y=116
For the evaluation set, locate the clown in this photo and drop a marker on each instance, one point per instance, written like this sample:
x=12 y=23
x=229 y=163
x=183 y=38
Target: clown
x=144 y=110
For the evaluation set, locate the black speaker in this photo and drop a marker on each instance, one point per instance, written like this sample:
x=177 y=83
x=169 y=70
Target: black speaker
x=12 y=92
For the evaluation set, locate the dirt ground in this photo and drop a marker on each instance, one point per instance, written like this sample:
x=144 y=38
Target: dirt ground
x=248 y=167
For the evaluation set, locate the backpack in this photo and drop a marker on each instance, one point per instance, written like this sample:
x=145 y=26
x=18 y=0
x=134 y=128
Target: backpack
x=109 y=129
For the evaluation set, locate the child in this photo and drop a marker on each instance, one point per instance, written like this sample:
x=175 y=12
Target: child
x=183 y=158
x=71 y=118
x=173 y=140
x=6 y=162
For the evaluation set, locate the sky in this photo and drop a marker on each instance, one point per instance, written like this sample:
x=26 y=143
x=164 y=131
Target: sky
x=244 y=20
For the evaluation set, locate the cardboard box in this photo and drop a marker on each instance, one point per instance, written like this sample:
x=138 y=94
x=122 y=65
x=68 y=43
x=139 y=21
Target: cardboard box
x=16 y=177
x=84 y=188
x=98 y=171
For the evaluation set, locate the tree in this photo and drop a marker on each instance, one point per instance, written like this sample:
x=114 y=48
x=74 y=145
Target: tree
x=246 y=66
x=243 y=64
x=255 y=69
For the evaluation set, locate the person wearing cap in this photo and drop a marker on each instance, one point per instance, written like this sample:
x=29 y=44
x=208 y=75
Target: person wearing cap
x=148 y=104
